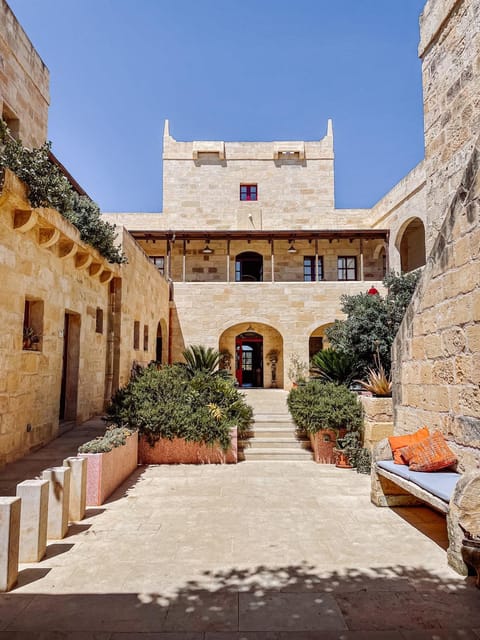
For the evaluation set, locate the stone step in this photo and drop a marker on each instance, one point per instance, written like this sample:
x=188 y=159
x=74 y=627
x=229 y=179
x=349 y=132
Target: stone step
x=272 y=431
x=275 y=454
x=272 y=417
x=277 y=443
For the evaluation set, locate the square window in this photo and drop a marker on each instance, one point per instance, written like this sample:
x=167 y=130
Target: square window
x=347 y=267
x=310 y=273
x=248 y=192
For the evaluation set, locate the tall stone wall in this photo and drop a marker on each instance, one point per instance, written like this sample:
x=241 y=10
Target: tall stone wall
x=44 y=264
x=437 y=351
x=24 y=82
x=144 y=298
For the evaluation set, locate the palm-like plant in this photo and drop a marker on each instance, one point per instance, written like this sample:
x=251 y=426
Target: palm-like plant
x=333 y=366
x=377 y=382
x=202 y=359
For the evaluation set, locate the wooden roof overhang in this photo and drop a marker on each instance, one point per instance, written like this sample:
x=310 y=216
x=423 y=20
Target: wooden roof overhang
x=294 y=234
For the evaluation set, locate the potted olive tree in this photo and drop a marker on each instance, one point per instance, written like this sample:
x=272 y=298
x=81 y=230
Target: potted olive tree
x=327 y=412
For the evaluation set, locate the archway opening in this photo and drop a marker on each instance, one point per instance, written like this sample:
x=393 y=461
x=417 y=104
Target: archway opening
x=252 y=352
x=412 y=246
x=318 y=340
x=249 y=267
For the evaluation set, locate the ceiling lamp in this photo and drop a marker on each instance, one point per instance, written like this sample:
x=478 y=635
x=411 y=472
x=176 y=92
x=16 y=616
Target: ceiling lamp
x=206 y=249
x=291 y=248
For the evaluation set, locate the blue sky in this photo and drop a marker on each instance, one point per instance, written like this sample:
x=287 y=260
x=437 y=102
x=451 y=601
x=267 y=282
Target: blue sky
x=228 y=70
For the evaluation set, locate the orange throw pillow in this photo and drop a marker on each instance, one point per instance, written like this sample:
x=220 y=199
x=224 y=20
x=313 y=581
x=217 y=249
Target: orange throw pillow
x=431 y=454
x=399 y=442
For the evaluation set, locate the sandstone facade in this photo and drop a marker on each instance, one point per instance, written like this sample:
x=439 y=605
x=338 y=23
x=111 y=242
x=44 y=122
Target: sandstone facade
x=24 y=82
x=437 y=351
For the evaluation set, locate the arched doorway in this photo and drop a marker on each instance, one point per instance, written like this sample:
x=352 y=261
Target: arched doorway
x=412 y=246
x=249 y=267
x=252 y=352
x=249 y=359
x=318 y=340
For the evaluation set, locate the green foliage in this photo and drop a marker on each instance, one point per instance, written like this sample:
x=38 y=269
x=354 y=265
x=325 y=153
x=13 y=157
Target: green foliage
x=48 y=187
x=372 y=322
x=113 y=438
x=171 y=402
x=316 y=405
x=350 y=445
x=200 y=359
x=363 y=461
x=333 y=366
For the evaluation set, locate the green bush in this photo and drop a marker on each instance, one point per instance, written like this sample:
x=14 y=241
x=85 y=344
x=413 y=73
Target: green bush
x=48 y=187
x=113 y=438
x=171 y=403
x=317 y=405
x=333 y=366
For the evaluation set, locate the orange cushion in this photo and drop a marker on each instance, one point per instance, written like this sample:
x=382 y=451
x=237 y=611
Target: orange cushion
x=430 y=454
x=399 y=442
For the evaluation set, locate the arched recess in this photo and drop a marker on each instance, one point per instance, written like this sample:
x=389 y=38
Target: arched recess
x=161 y=345
x=249 y=267
x=318 y=340
x=256 y=343
x=411 y=245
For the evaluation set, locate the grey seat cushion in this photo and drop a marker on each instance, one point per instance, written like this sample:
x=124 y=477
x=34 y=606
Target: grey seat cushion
x=440 y=483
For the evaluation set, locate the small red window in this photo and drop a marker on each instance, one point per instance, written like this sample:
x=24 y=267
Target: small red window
x=248 y=192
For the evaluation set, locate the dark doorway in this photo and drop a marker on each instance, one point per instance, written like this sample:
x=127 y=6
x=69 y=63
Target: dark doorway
x=249 y=359
x=70 y=365
x=249 y=267
x=159 y=344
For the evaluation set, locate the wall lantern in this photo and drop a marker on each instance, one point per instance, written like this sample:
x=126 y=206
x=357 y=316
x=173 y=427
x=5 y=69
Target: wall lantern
x=372 y=291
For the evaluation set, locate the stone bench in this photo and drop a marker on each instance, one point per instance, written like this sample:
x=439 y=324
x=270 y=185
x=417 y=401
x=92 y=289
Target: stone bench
x=454 y=494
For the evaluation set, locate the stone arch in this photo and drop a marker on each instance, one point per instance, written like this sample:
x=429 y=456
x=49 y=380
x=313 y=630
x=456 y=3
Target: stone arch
x=161 y=345
x=410 y=243
x=272 y=340
x=318 y=340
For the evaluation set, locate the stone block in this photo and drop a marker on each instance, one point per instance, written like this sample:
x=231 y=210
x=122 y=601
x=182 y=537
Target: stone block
x=58 y=499
x=78 y=487
x=33 y=521
x=9 y=541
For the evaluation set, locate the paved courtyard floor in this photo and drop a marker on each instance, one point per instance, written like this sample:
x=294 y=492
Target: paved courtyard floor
x=254 y=551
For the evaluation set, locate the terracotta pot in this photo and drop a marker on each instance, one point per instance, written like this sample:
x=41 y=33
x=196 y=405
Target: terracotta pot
x=179 y=451
x=341 y=459
x=323 y=444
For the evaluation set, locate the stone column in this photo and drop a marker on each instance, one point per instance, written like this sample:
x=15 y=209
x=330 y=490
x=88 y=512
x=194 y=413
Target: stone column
x=33 y=521
x=58 y=499
x=78 y=487
x=9 y=541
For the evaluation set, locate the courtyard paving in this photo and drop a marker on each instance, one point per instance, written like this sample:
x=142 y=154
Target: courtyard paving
x=258 y=550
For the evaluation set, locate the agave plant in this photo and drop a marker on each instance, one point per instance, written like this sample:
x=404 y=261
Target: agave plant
x=377 y=381
x=333 y=366
x=202 y=359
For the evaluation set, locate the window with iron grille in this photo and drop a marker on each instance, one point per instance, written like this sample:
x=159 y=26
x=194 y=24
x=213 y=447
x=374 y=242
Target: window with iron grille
x=346 y=267
x=248 y=192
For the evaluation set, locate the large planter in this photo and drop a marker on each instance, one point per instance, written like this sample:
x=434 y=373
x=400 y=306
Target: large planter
x=323 y=444
x=107 y=471
x=179 y=451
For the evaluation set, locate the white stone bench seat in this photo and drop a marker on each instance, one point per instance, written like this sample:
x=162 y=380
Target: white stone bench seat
x=434 y=487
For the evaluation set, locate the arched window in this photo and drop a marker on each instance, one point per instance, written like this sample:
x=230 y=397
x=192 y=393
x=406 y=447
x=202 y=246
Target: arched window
x=249 y=267
x=412 y=246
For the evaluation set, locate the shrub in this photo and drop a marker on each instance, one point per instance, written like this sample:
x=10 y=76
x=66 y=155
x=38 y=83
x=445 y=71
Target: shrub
x=200 y=359
x=171 y=403
x=333 y=366
x=113 y=438
x=317 y=405
x=48 y=187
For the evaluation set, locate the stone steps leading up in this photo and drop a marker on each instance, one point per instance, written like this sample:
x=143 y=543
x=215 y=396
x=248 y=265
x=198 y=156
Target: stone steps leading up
x=275 y=442
x=275 y=453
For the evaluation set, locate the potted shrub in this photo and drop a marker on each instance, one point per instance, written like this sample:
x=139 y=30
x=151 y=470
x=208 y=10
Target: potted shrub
x=30 y=338
x=326 y=411
x=183 y=415
x=346 y=450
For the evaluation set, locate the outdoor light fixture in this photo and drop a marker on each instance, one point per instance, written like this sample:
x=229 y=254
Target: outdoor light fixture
x=372 y=291
x=291 y=248
x=206 y=250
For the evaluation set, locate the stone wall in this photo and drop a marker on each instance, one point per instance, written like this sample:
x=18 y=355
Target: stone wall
x=24 y=82
x=45 y=266
x=143 y=299
x=437 y=351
